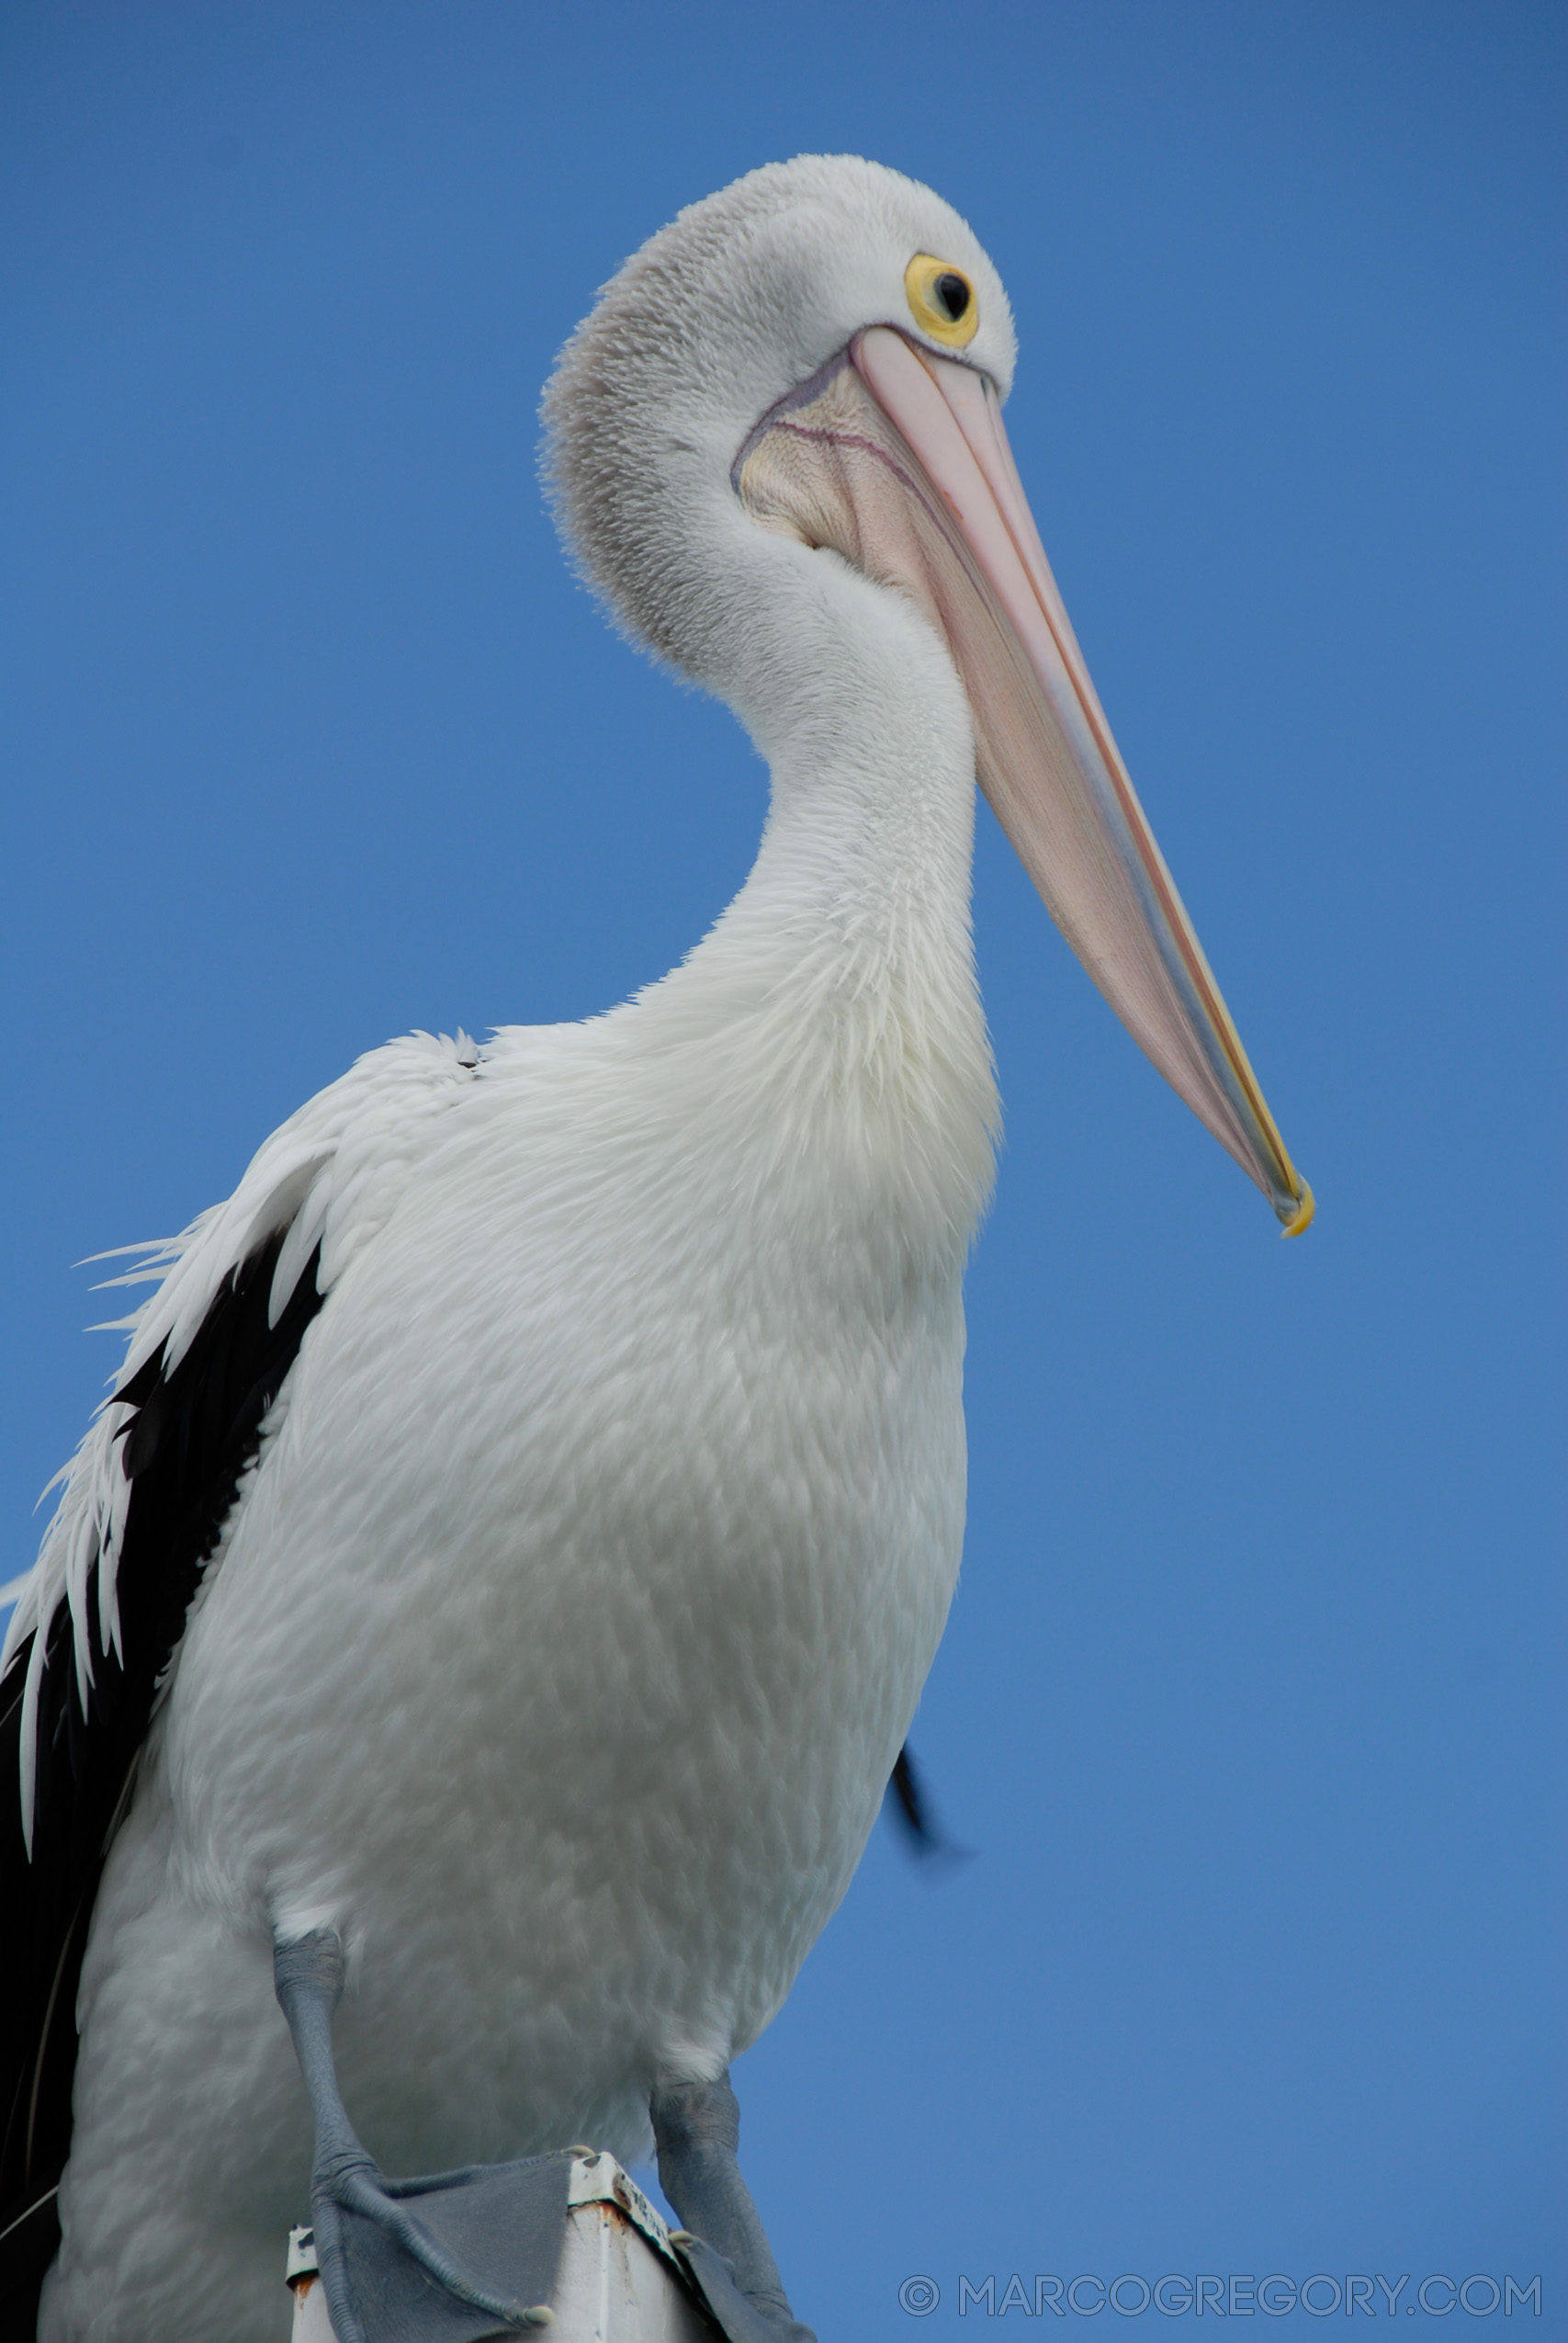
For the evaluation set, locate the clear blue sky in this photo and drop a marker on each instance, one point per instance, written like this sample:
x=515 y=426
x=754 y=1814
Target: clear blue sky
x=1249 y=1701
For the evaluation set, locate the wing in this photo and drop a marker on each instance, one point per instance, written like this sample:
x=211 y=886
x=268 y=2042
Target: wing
x=909 y=1800
x=95 y=1639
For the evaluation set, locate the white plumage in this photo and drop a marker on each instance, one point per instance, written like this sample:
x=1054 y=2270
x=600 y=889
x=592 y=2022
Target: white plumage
x=566 y=1629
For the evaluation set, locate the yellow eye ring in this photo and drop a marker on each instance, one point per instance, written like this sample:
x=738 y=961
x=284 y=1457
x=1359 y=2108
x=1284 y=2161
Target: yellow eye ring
x=942 y=300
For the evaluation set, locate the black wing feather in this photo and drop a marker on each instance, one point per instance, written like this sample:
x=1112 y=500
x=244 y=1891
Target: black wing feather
x=195 y=1431
x=909 y=1800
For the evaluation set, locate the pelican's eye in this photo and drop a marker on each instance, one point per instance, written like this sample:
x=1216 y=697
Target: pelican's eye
x=941 y=301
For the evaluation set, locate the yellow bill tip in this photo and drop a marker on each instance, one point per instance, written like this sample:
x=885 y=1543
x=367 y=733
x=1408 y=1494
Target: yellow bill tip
x=1302 y=1217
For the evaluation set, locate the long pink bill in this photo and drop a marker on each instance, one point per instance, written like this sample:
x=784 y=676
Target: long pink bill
x=899 y=460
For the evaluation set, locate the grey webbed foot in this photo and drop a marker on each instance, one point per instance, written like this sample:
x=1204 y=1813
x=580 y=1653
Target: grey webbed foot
x=450 y=2257
x=697 y=2127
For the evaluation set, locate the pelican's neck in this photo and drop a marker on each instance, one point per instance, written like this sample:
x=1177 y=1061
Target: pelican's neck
x=838 y=986
x=863 y=876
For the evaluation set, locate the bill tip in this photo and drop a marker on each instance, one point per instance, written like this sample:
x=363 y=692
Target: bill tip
x=1301 y=1218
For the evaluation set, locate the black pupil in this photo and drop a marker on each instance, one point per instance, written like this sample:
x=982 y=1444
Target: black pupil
x=954 y=294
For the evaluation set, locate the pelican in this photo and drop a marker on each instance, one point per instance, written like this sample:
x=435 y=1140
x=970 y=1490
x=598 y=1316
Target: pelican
x=475 y=1635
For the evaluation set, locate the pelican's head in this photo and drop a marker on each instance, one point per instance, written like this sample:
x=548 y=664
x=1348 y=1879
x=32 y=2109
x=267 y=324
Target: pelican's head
x=808 y=368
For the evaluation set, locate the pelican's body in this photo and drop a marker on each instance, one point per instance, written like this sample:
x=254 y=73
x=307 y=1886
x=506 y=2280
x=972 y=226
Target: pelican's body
x=569 y=1619
x=624 y=1619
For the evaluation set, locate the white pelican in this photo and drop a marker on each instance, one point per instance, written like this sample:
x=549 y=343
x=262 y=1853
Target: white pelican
x=501 y=1583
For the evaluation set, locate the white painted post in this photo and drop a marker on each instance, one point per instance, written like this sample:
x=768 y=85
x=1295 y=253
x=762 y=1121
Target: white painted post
x=620 y=2279
x=311 y=2324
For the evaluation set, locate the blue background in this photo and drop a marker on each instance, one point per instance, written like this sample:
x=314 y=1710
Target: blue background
x=1249 y=1701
